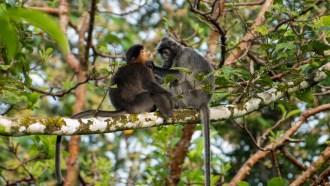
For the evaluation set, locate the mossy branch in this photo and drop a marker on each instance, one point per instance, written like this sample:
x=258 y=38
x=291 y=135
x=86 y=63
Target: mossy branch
x=67 y=126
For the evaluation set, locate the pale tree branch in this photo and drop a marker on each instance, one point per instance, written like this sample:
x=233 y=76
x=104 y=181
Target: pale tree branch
x=64 y=126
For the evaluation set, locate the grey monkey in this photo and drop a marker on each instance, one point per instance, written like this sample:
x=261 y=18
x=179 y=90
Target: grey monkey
x=137 y=91
x=187 y=91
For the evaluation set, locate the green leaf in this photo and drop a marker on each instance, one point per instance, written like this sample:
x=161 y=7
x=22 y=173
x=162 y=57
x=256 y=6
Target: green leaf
x=243 y=183
x=293 y=112
x=319 y=47
x=200 y=76
x=169 y=78
x=8 y=36
x=285 y=45
x=182 y=69
x=105 y=71
x=278 y=2
x=104 y=49
x=10 y=96
x=218 y=96
x=5 y=67
x=265 y=80
x=262 y=29
x=226 y=71
x=44 y=22
x=222 y=81
x=67 y=84
x=277 y=181
x=325 y=20
x=33 y=99
x=268 y=14
x=306 y=96
x=49 y=51
x=283 y=110
x=112 y=38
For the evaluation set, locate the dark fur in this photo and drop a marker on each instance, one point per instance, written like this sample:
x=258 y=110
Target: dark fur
x=186 y=86
x=137 y=91
x=133 y=52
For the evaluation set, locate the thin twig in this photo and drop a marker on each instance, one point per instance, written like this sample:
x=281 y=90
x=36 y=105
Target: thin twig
x=61 y=93
x=276 y=163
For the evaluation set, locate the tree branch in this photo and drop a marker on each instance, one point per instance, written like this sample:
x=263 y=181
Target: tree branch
x=247 y=166
x=178 y=154
x=322 y=177
x=214 y=21
x=323 y=158
x=244 y=46
x=64 y=126
x=64 y=20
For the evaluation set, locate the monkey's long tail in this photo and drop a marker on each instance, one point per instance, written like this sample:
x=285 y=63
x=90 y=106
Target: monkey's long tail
x=58 y=173
x=205 y=118
x=100 y=113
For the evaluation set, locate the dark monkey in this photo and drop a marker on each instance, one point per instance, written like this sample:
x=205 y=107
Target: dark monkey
x=137 y=91
x=186 y=86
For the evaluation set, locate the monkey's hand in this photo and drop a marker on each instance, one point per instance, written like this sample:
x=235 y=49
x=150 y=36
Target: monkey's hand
x=150 y=64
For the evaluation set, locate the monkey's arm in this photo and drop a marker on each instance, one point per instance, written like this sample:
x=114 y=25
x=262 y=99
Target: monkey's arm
x=154 y=87
x=162 y=72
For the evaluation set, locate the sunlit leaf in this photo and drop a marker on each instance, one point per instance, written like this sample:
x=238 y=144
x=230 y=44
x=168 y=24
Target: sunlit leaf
x=284 y=45
x=44 y=22
x=243 y=183
x=277 y=181
x=293 y=112
x=262 y=29
x=8 y=36
x=182 y=69
x=282 y=109
x=306 y=96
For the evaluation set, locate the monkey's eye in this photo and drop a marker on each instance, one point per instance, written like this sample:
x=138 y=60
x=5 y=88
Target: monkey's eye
x=165 y=52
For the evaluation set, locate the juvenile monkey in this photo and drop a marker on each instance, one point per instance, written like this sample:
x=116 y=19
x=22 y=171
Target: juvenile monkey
x=187 y=86
x=137 y=92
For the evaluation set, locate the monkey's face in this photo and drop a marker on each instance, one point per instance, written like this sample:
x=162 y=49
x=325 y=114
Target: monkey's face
x=165 y=54
x=145 y=55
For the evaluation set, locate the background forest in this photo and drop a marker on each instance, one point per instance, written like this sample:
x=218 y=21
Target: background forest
x=57 y=58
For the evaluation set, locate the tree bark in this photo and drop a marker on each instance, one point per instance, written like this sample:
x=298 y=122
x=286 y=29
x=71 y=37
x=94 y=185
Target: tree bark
x=178 y=154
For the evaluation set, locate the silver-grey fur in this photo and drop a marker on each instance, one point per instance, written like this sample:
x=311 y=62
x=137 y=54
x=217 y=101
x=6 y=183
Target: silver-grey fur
x=187 y=91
